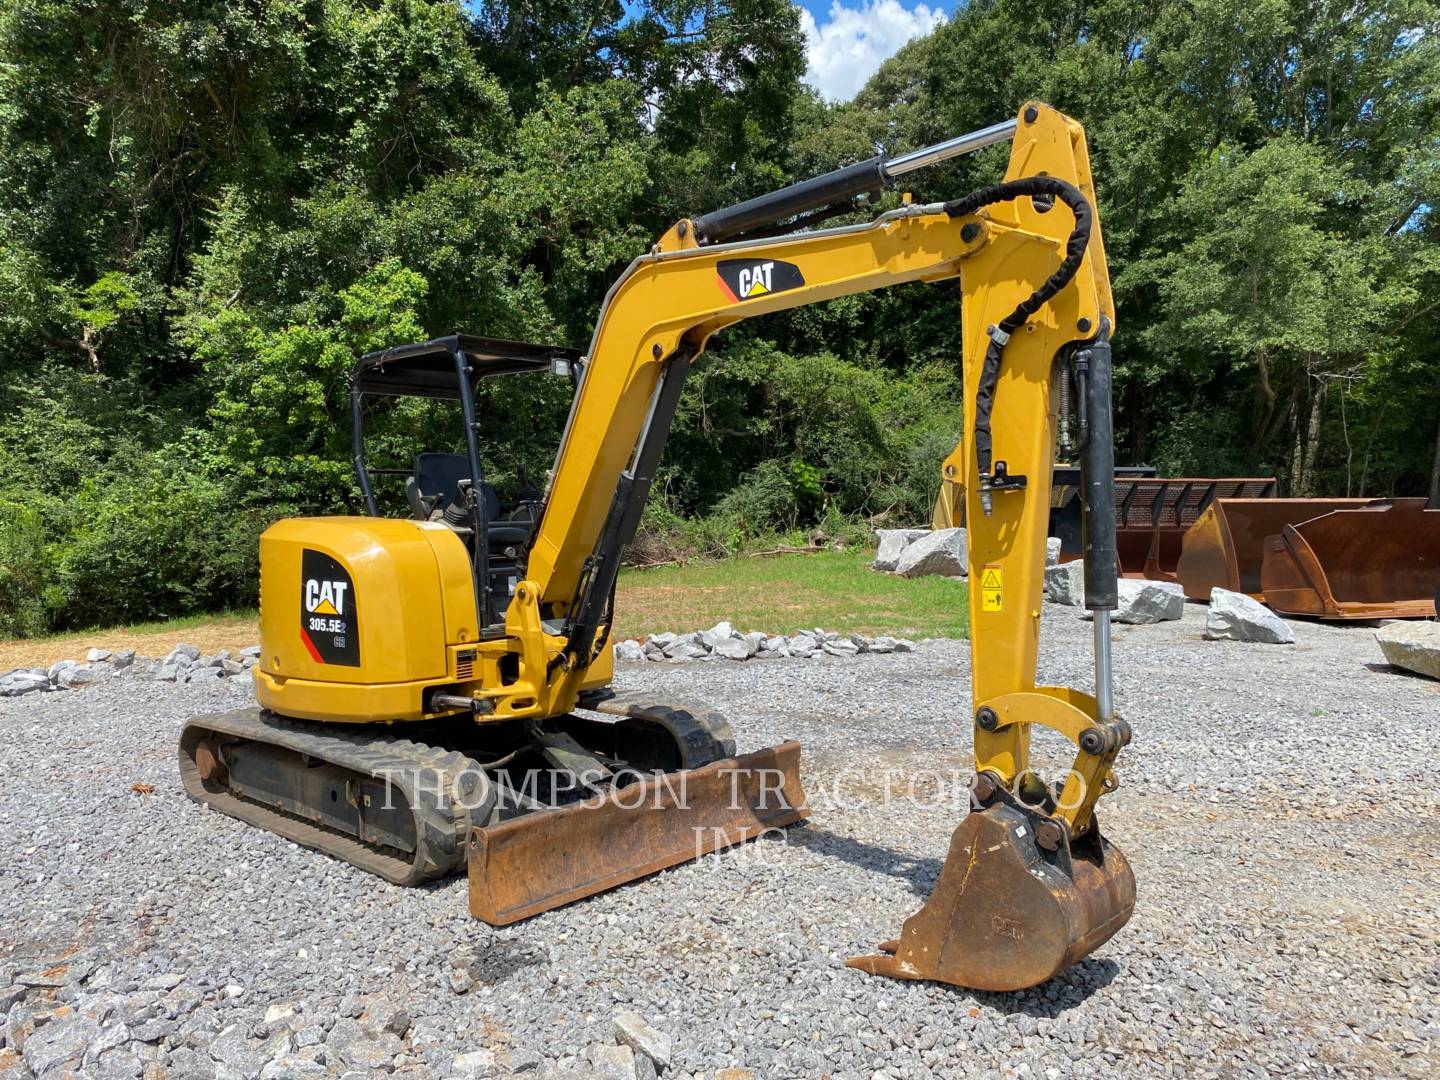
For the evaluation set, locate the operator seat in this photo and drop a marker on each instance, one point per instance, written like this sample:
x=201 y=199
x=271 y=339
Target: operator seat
x=435 y=484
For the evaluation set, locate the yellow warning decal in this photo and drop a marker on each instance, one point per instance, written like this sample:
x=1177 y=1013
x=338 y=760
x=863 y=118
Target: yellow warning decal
x=992 y=587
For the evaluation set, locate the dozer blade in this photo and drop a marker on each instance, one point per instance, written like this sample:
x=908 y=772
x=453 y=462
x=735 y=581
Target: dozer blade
x=1225 y=548
x=542 y=861
x=1377 y=561
x=1007 y=914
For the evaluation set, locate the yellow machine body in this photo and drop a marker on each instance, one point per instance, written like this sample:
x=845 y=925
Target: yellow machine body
x=399 y=598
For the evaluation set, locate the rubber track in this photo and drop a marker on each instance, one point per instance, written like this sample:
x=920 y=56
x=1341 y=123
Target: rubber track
x=441 y=826
x=701 y=732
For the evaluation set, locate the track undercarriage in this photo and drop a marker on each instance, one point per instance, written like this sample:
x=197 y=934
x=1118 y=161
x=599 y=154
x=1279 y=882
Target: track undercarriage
x=545 y=812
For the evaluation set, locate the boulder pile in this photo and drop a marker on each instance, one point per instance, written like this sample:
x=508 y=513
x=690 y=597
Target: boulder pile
x=723 y=642
x=184 y=663
x=1141 y=602
x=933 y=552
x=922 y=552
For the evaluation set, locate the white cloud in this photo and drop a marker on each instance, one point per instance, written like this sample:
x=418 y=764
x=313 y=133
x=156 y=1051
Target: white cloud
x=851 y=44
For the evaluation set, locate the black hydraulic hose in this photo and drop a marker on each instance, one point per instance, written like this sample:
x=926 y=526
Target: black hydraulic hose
x=1032 y=186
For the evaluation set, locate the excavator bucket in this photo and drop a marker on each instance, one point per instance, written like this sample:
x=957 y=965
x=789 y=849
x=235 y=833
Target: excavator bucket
x=538 y=862
x=1225 y=548
x=1007 y=913
x=1377 y=561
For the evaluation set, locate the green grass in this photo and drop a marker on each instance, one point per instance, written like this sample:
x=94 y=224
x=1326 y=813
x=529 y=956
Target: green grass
x=782 y=593
x=836 y=590
x=226 y=630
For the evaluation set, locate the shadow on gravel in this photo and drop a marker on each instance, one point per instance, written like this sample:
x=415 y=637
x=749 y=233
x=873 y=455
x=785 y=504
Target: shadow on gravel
x=1391 y=669
x=919 y=872
x=500 y=960
x=1070 y=988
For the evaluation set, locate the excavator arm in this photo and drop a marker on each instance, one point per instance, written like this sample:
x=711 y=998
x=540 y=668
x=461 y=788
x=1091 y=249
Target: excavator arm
x=658 y=317
x=1035 y=298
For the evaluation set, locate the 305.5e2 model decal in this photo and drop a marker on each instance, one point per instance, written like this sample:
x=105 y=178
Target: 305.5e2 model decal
x=329 y=625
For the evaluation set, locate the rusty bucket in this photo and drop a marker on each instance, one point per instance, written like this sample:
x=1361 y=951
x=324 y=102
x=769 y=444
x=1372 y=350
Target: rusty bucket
x=549 y=858
x=1225 y=548
x=1007 y=913
x=1152 y=514
x=1377 y=561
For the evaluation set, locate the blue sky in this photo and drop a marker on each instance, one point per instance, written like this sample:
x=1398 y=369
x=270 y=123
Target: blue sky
x=846 y=40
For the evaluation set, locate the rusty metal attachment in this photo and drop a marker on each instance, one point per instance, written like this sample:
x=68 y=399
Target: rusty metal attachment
x=1010 y=910
x=1326 y=558
x=1152 y=514
x=208 y=762
x=539 y=862
x=1377 y=561
x=1225 y=548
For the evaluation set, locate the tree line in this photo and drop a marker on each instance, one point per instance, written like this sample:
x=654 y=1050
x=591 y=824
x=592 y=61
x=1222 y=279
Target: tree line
x=207 y=210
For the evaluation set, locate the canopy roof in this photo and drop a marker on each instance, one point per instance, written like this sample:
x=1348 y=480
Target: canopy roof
x=428 y=369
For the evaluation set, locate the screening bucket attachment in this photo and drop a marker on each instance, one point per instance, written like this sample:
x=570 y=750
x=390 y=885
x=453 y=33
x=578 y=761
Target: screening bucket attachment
x=1007 y=913
x=1225 y=548
x=542 y=861
x=1377 y=561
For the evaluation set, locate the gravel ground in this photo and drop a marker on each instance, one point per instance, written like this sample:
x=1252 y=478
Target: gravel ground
x=1276 y=806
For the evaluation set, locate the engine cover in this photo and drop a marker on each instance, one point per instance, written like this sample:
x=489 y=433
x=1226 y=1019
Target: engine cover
x=357 y=614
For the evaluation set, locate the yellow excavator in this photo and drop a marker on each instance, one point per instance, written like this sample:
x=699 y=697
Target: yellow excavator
x=434 y=690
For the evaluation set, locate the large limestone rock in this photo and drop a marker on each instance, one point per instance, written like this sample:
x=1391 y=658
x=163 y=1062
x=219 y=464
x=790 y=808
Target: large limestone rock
x=686 y=647
x=721 y=631
x=736 y=648
x=1142 y=602
x=1149 y=601
x=23 y=681
x=1414 y=646
x=632 y=1028
x=1065 y=583
x=940 y=552
x=1235 y=617
x=803 y=646
x=629 y=650
x=893 y=542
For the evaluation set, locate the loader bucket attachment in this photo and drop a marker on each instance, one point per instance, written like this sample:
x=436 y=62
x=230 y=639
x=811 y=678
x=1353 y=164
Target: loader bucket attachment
x=1152 y=514
x=1225 y=548
x=547 y=859
x=1006 y=914
x=1378 y=561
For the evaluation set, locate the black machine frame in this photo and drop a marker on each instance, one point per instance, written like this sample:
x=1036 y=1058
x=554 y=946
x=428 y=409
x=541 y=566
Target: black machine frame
x=447 y=368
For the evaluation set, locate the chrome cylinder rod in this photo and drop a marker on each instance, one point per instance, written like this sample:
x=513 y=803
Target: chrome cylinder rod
x=944 y=151
x=1104 y=675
